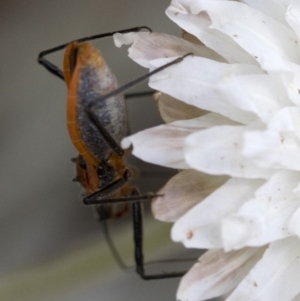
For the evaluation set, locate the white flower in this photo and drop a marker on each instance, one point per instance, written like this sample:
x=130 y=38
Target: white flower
x=233 y=129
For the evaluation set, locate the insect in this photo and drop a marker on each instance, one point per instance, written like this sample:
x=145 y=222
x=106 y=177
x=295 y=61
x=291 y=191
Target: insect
x=97 y=122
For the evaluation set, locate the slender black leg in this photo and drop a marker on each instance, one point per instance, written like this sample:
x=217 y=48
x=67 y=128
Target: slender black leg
x=138 y=94
x=138 y=246
x=116 y=148
x=120 y=200
x=56 y=71
x=138 y=238
x=138 y=243
x=102 y=196
x=134 y=82
x=107 y=190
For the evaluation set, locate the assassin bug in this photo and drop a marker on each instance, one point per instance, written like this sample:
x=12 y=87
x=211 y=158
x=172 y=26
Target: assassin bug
x=97 y=122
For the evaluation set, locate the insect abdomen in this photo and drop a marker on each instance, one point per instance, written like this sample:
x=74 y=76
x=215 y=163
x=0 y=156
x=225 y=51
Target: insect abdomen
x=92 y=78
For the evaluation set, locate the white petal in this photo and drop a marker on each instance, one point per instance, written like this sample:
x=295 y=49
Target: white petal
x=293 y=16
x=171 y=109
x=149 y=46
x=260 y=94
x=291 y=81
x=199 y=26
x=286 y=120
x=217 y=273
x=200 y=227
x=271 y=149
x=297 y=191
x=275 y=276
x=272 y=8
x=266 y=217
x=224 y=88
x=217 y=151
x=163 y=145
x=195 y=81
x=254 y=32
x=182 y=192
x=294 y=225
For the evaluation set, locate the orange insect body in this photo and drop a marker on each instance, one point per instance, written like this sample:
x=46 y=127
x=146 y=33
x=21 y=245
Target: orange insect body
x=88 y=77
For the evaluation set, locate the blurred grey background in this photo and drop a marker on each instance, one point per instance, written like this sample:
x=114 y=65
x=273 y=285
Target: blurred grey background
x=51 y=246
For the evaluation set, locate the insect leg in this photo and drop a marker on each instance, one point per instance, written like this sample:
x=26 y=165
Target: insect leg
x=134 y=82
x=120 y=200
x=138 y=94
x=138 y=246
x=56 y=71
x=138 y=239
x=107 y=190
x=101 y=196
x=116 y=148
